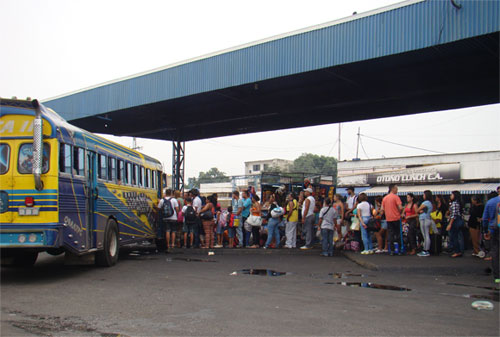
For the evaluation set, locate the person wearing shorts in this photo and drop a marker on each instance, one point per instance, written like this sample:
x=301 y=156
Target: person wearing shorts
x=170 y=223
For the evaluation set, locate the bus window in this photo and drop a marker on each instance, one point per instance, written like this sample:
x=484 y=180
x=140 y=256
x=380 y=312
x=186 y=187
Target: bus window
x=135 y=174
x=112 y=169
x=141 y=176
x=25 y=159
x=148 y=178
x=78 y=161
x=153 y=179
x=102 y=169
x=4 y=158
x=120 y=174
x=65 y=158
x=128 y=173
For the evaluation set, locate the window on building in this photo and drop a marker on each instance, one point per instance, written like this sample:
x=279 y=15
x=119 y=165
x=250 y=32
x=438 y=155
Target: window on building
x=256 y=168
x=103 y=167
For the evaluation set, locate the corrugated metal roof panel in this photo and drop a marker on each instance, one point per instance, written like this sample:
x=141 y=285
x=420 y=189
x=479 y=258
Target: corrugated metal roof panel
x=400 y=29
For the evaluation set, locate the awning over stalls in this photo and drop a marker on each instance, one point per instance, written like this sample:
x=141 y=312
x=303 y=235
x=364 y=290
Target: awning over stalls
x=468 y=188
x=343 y=190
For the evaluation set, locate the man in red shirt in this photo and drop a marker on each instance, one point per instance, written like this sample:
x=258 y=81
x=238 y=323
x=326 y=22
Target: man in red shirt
x=392 y=207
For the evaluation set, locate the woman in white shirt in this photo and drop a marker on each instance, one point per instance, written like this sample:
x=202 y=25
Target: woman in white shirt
x=364 y=215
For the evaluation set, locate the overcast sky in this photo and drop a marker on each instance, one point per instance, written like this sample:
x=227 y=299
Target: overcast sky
x=53 y=47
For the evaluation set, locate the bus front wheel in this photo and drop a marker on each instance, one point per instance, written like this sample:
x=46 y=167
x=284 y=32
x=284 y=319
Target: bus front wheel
x=109 y=255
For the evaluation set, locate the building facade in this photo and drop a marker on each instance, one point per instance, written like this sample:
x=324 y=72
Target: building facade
x=469 y=173
x=259 y=166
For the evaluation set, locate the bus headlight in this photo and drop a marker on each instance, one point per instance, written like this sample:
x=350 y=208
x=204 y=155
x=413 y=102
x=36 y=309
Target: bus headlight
x=32 y=238
x=21 y=238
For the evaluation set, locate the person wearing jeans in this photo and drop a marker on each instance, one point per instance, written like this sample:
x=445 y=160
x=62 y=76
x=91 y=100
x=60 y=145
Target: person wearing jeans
x=425 y=211
x=327 y=217
x=364 y=215
x=491 y=219
x=455 y=225
x=237 y=207
x=273 y=231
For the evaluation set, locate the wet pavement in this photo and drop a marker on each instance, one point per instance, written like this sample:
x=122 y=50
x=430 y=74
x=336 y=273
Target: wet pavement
x=153 y=294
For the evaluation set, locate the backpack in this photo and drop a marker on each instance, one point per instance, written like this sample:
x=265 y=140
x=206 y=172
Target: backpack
x=190 y=214
x=167 y=209
x=222 y=219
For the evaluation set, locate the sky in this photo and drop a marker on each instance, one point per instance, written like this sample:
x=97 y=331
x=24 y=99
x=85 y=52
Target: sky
x=52 y=47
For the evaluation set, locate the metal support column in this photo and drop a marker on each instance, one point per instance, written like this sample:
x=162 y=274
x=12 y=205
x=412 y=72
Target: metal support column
x=178 y=151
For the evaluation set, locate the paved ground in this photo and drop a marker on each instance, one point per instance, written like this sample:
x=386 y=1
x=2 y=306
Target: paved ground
x=150 y=294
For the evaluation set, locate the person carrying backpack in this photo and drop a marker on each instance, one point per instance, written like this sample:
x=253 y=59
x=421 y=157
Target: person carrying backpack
x=190 y=218
x=169 y=208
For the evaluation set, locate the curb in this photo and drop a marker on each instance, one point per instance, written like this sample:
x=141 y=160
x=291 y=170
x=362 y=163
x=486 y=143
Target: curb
x=359 y=261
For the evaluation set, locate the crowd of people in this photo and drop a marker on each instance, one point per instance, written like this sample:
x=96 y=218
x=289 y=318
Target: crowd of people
x=419 y=226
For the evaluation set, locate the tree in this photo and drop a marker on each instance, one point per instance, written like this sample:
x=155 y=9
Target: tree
x=211 y=176
x=313 y=163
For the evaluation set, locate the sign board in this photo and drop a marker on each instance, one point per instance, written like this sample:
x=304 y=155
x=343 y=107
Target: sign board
x=423 y=174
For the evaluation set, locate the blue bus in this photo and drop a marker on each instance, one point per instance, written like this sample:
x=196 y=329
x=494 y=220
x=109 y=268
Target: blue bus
x=66 y=190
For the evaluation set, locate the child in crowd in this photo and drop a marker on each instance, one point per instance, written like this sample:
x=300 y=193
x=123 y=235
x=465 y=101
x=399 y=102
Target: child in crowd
x=221 y=225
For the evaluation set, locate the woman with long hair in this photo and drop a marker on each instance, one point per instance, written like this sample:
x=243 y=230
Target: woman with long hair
x=456 y=223
x=381 y=235
x=410 y=214
x=207 y=218
x=255 y=211
x=425 y=211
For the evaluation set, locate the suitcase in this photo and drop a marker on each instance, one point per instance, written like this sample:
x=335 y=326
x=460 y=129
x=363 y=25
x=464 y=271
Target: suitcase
x=436 y=244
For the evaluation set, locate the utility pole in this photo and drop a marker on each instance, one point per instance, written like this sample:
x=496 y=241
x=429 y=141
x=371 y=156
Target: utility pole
x=357 y=147
x=340 y=127
x=134 y=145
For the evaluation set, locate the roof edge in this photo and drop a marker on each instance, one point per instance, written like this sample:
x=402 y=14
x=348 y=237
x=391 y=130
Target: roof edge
x=246 y=45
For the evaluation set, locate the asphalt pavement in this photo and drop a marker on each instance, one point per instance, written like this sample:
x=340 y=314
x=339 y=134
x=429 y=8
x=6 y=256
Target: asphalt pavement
x=239 y=293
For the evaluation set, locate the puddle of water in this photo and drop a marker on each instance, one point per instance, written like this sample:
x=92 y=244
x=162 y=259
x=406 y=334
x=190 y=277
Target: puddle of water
x=370 y=285
x=263 y=272
x=188 y=259
x=346 y=275
x=472 y=286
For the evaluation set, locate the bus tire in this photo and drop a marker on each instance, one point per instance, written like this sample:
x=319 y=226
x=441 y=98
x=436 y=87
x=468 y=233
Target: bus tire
x=109 y=255
x=55 y=251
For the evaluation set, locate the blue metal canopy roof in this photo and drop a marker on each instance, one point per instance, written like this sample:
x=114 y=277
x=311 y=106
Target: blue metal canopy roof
x=415 y=56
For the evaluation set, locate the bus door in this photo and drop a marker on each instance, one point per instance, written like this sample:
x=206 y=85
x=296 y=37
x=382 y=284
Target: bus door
x=91 y=196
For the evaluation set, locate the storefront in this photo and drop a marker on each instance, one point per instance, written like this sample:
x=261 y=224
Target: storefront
x=469 y=173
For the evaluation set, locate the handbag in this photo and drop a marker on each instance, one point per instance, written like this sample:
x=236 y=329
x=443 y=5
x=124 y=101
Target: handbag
x=254 y=220
x=372 y=226
x=355 y=224
x=207 y=215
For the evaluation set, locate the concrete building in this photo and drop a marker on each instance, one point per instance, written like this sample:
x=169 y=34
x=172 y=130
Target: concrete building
x=259 y=166
x=470 y=173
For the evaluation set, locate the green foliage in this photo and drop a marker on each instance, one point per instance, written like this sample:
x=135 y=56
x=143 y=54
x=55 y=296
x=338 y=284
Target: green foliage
x=313 y=163
x=211 y=176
